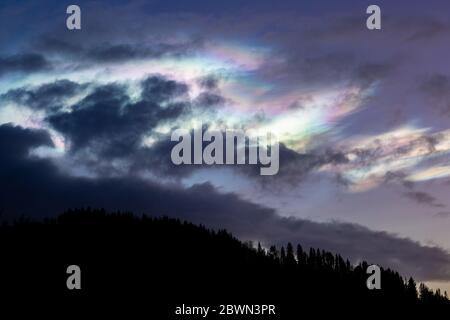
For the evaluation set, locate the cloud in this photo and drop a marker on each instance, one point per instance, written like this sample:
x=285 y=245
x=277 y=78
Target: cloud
x=29 y=62
x=368 y=73
x=35 y=187
x=398 y=176
x=113 y=125
x=126 y=52
x=15 y=142
x=158 y=89
x=118 y=51
x=209 y=82
x=209 y=99
x=398 y=155
x=423 y=198
x=101 y=123
x=358 y=242
x=437 y=87
x=52 y=45
x=296 y=166
x=49 y=96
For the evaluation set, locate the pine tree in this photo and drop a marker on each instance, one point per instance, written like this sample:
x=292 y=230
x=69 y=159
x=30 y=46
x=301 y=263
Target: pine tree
x=411 y=290
x=290 y=259
x=300 y=258
x=283 y=255
x=273 y=252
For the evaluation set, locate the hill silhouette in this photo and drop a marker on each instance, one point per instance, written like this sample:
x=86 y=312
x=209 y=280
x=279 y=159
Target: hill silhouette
x=156 y=264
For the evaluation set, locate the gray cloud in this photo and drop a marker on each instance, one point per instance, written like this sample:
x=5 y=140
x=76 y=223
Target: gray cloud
x=437 y=87
x=49 y=96
x=30 y=62
x=358 y=242
x=107 y=125
x=124 y=52
x=370 y=72
x=108 y=122
x=116 y=51
x=398 y=176
x=209 y=99
x=423 y=198
x=45 y=191
x=295 y=167
x=210 y=82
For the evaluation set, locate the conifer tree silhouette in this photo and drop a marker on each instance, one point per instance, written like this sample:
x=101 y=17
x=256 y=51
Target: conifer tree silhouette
x=165 y=260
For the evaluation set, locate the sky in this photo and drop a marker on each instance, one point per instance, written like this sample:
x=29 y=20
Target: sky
x=363 y=118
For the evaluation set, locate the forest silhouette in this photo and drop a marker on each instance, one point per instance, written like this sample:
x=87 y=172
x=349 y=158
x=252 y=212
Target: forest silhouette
x=155 y=264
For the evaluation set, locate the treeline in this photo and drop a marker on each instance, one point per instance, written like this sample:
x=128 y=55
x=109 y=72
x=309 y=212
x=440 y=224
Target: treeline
x=158 y=263
x=326 y=268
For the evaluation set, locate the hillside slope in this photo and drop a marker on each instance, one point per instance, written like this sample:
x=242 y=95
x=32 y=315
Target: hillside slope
x=157 y=264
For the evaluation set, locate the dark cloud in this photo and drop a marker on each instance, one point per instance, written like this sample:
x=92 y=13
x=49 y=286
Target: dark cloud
x=294 y=163
x=211 y=96
x=398 y=176
x=29 y=62
x=426 y=143
x=368 y=73
x=208 y=99
x=35 y=187
x=210 y=82
x=437 y=87
x=54 y=45
x=109 y=123
x=294 y=167
x=125 y=52
x=156 y=159
x=158 y=89
x=358 y=242
x=423 y=198
x=49 y=96
x=120 y=51
x=15 y=142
